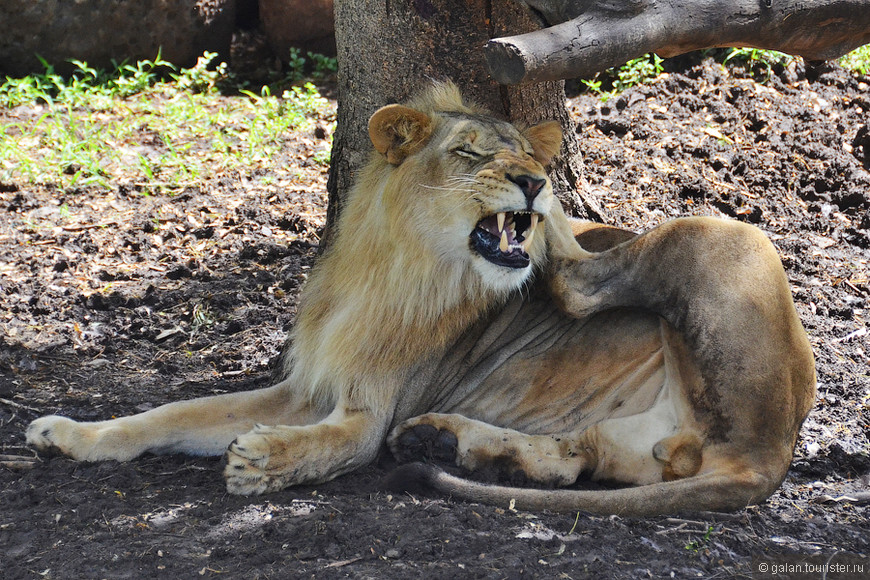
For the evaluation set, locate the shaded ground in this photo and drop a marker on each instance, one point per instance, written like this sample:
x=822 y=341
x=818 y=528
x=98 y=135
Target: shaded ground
x=114 y=302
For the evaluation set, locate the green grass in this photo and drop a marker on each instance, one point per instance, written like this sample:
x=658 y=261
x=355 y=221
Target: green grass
x=698 y=544
x=149 y=124
x=758 y=62
x=858 y=60
x=617 y=79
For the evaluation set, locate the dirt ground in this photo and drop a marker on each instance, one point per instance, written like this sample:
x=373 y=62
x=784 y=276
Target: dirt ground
x=113 y=302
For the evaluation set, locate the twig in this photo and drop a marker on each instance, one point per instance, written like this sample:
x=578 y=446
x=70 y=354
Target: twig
x=855 y=288
x=6 y=457
x=17 y=462
x=689 y=531
x=861 y=497
x=343 y=563
x=164 y=184
x=682 y=521
x=82 y=227
x=738 y=517
x=18 y=465
x=855 y=334
x=671 y=530
x=17 y=405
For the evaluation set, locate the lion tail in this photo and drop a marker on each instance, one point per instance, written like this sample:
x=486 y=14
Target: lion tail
x=714 y=491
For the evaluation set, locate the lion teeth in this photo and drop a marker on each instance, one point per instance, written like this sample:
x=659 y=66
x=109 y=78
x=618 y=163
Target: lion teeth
x=528 y=241
x=530 y=233
x=503 y=244
x=507 y=231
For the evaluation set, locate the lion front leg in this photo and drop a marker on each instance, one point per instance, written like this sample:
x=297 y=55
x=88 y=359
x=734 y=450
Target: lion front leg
x=554 y=460
x=202 y=426
x=270 y=458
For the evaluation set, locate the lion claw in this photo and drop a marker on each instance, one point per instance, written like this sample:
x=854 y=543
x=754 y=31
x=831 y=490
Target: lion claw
x=247 y=459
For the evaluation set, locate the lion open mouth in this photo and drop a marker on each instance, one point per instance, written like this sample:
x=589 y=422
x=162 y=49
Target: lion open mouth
x=505 y=237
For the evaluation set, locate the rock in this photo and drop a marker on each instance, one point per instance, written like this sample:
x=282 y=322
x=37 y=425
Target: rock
x=100 y=31
x=305 y=24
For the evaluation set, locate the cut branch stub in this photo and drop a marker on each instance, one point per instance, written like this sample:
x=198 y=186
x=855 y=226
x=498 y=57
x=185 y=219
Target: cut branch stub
x=563 y=51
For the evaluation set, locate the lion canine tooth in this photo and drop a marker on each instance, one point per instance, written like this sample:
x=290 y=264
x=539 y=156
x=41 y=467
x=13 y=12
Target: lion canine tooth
x=534 y=223
x=503 y=245
x=500 y=218
x=528 y=241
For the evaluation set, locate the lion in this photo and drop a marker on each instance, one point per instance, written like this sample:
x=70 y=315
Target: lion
x=459 y=315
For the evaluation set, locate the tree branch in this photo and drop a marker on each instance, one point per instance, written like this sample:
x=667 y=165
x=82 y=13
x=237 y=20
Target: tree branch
x=605 y=34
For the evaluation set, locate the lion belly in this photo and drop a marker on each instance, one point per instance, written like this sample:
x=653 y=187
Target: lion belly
x=535 y=370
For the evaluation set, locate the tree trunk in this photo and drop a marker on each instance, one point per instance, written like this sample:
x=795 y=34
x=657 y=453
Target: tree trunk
x=389 y=49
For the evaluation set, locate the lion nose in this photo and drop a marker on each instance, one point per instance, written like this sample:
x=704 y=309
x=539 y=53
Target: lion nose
x=530 y=186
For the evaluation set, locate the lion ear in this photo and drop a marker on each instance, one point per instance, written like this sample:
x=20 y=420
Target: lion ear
x=398 y=131
x=546 y=140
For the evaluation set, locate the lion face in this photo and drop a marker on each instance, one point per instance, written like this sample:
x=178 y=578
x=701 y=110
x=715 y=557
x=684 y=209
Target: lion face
x=480 y=186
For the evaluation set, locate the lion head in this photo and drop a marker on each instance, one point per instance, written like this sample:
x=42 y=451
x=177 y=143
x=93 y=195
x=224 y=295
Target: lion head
x=478 y=184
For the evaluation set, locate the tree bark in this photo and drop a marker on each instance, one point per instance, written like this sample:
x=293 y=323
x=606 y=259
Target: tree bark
x=390 y=49
x=593 y=36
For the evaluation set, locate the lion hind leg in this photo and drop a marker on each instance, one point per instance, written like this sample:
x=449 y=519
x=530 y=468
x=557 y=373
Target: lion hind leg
x=202 y=426
x=658 y=444
x=477 y=446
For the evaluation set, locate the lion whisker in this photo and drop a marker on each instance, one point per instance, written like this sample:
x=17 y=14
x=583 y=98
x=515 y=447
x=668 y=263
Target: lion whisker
x=446 y=189
x=469 y=179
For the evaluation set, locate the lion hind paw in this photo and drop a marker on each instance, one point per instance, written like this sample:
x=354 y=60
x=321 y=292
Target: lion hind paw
x=413 y=442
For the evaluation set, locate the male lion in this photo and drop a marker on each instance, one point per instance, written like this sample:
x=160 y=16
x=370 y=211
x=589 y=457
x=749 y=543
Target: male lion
x=673 y=361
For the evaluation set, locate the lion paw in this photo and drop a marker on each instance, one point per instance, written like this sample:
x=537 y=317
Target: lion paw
x=247 y=469
x=271 y=458
x=414 y=440
x=55 y=433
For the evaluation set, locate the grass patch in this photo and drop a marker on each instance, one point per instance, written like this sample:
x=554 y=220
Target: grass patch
x=760 y=64
x=614 y=80
x=150 y=124
x=858 y=60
